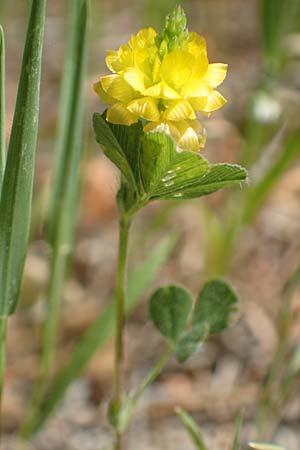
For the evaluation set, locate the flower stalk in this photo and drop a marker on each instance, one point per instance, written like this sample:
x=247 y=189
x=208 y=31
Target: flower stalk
x=124 y=226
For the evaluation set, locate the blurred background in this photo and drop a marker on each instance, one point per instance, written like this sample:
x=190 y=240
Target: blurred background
x=249 y=235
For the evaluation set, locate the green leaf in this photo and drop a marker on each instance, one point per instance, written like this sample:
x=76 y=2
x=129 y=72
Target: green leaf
x=277 y=21
x=219 y=176
x=167 y=173
x=192 y=428
x=238 y=426
x=64 y=201
x=16 y=197
x=100 y=331
x=214 y=306
x=130 y=140
x=71 y=124
x=2 y=106
x=256 y=195
x=189 y=342
x=113 y=148
x=170 y=307
x=262 y=446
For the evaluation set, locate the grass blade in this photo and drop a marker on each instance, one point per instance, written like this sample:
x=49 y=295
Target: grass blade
x=237 y=432
x=70 y=127
x=16 y=198
x=2 y=106
x=67 y=173
x=66 y=188
x=278 y=19
x=100 y=331
x=192 y=428
x=258 y=193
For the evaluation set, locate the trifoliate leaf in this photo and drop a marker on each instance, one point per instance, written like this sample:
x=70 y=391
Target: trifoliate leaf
x=167 y=173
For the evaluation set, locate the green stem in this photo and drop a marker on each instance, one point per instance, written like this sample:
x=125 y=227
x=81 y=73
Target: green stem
x=152 y=375
x=3 y=322
x=120 y=318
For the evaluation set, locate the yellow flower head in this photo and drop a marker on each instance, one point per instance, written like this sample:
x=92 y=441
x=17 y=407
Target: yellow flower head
x=164 y=79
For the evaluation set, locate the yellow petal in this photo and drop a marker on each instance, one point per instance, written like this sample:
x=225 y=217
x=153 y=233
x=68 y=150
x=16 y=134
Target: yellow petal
x=177 y=68
x=155 y=70
x=198 y=103
x=118 y=114
x=102 y=94
x=215 y=74
x=135 y=78
x=125 y=56
x=145 y=107
x=117 y=60
x=197 y=45
x=144 y=38
x=115 y=86
x=214 y=101
x=188 y=137
x=112 y=61
x=179 y=110
x=153 y=91
x=163 y=126
x=196 y=88
x=168 y=93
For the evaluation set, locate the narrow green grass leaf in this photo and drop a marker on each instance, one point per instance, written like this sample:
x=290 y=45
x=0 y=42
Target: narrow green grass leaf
x=2 y=106
x=63 y=204
x=237 y=432
x=101 y=330
x=257 y=194
x=192 y=428
x=64 y=200
x=16 y=197
x=278 y=19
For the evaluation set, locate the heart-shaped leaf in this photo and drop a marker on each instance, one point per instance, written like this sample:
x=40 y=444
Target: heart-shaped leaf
x=170 y=307
x=167 y=173
x=214 y=305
